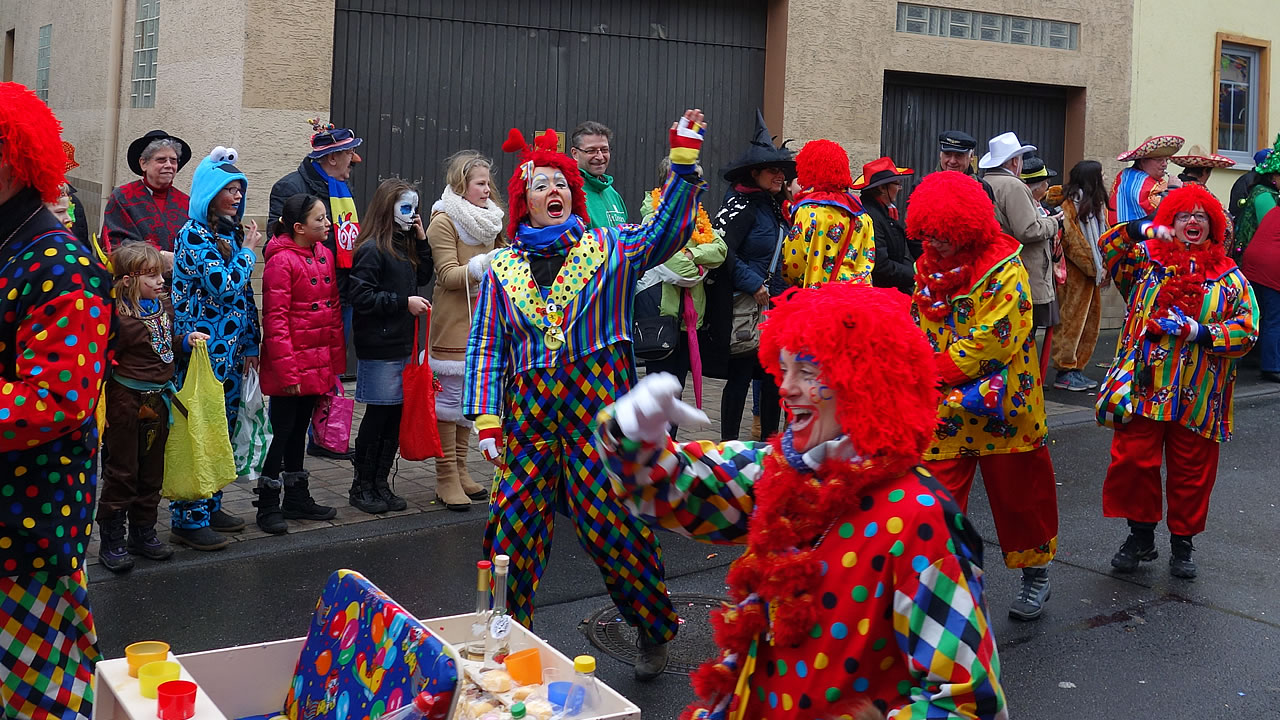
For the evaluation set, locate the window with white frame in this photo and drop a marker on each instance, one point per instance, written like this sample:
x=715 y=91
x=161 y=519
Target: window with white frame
x=43 y=55
x=1239 y=116
x=991 y=27
x=146 y=44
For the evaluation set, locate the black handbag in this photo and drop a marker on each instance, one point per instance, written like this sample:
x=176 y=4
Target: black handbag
x=654 y=336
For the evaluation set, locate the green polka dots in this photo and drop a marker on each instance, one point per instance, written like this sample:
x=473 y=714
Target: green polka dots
x=832 y=694
x=846 y=530
x=896 y=495
x=859 y=593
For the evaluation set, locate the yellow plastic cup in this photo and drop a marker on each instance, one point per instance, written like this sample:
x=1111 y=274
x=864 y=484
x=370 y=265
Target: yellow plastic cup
x=151 y=675
x=141 y=653
x=525 y=666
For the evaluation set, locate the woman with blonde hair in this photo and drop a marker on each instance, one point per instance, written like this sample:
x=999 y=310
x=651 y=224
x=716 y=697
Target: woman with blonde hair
x=466 y=226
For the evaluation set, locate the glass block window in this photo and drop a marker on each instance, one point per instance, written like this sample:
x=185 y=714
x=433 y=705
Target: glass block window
x=44 y=51
x=146 y=43
x=991 y=27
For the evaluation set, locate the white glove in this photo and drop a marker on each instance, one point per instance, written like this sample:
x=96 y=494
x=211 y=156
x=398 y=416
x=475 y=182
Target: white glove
x=652 y=407
x=489 y=449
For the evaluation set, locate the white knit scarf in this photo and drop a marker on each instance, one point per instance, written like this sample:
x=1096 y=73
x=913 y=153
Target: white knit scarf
x=476 y=226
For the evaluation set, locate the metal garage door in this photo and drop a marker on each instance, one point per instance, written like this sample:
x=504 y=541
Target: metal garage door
x=421 y=79
x=919 y=107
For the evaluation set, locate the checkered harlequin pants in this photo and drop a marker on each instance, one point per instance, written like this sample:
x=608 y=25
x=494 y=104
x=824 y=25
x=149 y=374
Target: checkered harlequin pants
x=48 y=647
x=551 y=463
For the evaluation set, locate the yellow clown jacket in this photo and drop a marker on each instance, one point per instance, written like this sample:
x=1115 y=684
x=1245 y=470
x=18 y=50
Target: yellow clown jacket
x=830 y=239
x=988 y=335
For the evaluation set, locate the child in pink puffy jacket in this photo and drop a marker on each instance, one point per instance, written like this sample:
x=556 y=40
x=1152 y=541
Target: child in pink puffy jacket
x=302 y=355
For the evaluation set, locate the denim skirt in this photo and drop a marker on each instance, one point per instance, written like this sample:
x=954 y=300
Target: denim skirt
x=380 y=382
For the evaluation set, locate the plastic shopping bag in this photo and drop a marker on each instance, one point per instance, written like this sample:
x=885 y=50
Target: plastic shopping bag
x=331 y=420
x=253 y=430
x=198 y=460
x=419 y=437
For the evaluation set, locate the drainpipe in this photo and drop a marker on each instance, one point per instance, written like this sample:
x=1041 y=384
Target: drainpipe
x=115 y=61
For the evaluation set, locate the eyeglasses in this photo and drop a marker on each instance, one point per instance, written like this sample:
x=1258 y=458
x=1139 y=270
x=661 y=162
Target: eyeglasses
x=233 y=191
x=592 y=152
x=1186 y=217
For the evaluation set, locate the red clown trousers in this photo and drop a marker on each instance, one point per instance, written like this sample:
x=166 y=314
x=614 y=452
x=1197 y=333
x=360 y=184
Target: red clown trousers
x=1132 y=487
x=1023 y=496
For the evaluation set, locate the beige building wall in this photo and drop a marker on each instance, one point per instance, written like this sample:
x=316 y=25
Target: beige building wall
x=1173 y=69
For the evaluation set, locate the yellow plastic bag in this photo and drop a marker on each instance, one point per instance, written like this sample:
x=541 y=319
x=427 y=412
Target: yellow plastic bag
x=198 y=460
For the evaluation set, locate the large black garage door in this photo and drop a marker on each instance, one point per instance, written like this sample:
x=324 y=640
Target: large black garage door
x=919 y=107
x=421 y=79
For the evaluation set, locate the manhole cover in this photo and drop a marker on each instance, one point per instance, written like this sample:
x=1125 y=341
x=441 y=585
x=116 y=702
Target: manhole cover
x=693 y=645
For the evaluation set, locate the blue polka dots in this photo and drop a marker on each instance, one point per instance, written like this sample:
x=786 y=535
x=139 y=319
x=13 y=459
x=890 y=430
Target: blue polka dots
x=802 y=669
x=925 y=499
x=861 y=684
x=839 y=631
x=773 y=700
x=870 y=530
x=919 y=563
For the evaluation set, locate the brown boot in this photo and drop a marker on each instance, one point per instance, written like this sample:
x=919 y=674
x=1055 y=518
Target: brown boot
x=448 y=485
x=473 y=489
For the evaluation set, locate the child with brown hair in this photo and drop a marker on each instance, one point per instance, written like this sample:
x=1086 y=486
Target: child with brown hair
x=137 y=413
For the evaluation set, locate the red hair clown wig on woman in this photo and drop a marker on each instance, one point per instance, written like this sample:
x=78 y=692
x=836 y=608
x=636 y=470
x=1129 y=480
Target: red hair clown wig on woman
x=543 y=154
x=952 y=207
x=1185 y=200
x=32 y=141
x=864 y=341
x=823 y=165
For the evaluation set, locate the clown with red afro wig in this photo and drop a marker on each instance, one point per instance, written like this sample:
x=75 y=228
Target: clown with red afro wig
x=973 y=302
x=550 y=348
x=54 y=317
x=838 y=500
x=1191 y=315
x=831 y=236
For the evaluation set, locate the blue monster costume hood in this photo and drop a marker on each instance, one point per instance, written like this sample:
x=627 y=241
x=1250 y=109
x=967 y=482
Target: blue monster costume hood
x=214 y=172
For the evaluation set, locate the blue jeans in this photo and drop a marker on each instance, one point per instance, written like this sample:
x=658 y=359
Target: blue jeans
x=1269 y=328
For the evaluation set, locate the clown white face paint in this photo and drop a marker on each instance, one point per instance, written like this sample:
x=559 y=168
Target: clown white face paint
x=810 y=403
x=549 y=198
x=406 y=209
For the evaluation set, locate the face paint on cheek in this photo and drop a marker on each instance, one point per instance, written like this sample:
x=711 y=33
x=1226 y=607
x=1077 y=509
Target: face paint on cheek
x=406 y=208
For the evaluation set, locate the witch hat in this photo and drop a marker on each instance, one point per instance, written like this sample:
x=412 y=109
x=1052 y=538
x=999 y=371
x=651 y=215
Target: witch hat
x=760 y=154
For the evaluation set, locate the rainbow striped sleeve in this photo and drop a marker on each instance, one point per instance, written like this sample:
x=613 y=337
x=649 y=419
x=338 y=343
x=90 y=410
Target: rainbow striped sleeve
x=487 y=350
x=663 y=233
x=1235 y=335
x=1122 y=257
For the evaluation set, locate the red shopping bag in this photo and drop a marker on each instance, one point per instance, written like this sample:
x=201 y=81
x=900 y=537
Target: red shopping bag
x=419 y=438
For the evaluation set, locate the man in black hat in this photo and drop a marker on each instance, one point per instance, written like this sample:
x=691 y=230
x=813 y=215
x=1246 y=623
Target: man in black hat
x=955 y=153
x=324 y=172
x=149 y=209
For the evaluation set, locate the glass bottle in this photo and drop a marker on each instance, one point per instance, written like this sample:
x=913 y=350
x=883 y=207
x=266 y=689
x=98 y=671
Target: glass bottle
x=474 y=649
x=498 y=645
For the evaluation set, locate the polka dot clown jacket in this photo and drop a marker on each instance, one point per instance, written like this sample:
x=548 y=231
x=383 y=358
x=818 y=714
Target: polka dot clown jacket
x=831 y=238
x=54 y=323
x=993 y=399
x=898 y=615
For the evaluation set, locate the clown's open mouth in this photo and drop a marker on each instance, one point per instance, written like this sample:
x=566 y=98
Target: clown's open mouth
x=800 y=416
x=555 y=208
x=1194 y=234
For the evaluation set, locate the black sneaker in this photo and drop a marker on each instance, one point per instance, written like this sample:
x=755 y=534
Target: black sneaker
x=1180 y=562
x=111 y=552
x=144 y=542
x=320 y=451
x=201 y=538
x=1138 y=547
x=225 y=522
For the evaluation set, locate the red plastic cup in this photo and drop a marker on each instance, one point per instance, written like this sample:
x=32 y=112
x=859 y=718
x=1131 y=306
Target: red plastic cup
x=176 y=700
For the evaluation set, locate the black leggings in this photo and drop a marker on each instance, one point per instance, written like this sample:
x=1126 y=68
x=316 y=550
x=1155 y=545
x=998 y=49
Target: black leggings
x=742 y=370
x=381 y=422
x=290 y=419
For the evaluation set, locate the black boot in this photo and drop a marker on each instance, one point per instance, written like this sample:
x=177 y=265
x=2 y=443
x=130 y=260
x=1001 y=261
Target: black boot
x=320 y=451
x=298 y=503
x=651 y=661
x=386 y=459
x=1140 y=546
x=221 y=520
x=270 y=518
x=111 y=551
x=143 y=541
x=362 y=495
x=1180 y=562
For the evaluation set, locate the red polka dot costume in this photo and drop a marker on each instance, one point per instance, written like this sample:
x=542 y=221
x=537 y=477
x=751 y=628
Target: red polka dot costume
x=861 y=581
x=54 y=320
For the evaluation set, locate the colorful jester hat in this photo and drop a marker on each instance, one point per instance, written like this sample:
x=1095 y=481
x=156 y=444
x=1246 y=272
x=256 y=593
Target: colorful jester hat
x=543 y=154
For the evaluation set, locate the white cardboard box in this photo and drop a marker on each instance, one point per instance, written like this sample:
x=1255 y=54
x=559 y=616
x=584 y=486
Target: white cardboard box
x=254 y=679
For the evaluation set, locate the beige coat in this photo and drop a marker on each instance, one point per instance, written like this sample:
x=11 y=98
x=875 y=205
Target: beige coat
x=450 y=316
x=1018 y=216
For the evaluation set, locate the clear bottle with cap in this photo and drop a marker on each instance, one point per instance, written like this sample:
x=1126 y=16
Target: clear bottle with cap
x=474 y=648
x=584 y=681
x=498 y=644
x=422 y=707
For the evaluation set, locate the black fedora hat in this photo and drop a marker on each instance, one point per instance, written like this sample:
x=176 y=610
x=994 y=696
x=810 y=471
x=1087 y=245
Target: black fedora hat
x=759 y=155
x=137 y=146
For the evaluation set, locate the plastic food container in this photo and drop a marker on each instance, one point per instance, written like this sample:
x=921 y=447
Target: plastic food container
x=151 y=675
x=141 y=653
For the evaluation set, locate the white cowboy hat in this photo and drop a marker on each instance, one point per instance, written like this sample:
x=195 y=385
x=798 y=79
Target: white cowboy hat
x=1002 y=147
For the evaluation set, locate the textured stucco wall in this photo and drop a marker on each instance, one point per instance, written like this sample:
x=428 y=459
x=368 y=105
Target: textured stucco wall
x=1173 y=62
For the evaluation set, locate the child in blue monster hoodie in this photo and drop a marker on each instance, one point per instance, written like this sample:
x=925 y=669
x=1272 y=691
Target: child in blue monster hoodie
x=213 y=259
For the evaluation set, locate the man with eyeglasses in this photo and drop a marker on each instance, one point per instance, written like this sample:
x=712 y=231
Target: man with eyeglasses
x=589 y=144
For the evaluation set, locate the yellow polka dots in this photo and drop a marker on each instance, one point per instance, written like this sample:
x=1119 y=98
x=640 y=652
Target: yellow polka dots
x=886 y=663
x=37 y=563
x=849 y=559
x=864 y=626
x=786 y=702
x=28 y=523
x=5 y=543
x=894 y=525
x=820 y=662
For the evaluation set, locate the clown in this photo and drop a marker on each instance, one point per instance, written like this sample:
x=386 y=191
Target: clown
x=549 y=348
x=1190 y=316
x=852 y=548
x=831 y=237
x=973 y=301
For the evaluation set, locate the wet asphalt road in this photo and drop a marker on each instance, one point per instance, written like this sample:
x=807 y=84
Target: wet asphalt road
x=1143 y=646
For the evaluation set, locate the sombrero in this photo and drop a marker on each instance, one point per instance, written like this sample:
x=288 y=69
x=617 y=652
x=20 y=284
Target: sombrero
x=1196 y=157
x=879 y=172
x=1155 y=146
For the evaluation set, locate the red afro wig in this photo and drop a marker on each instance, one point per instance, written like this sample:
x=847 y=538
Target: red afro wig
x=32 y=139
x=823 y=165
x=1184 y=200
x=871 y=354
x=543 y=154
x=951 y=206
